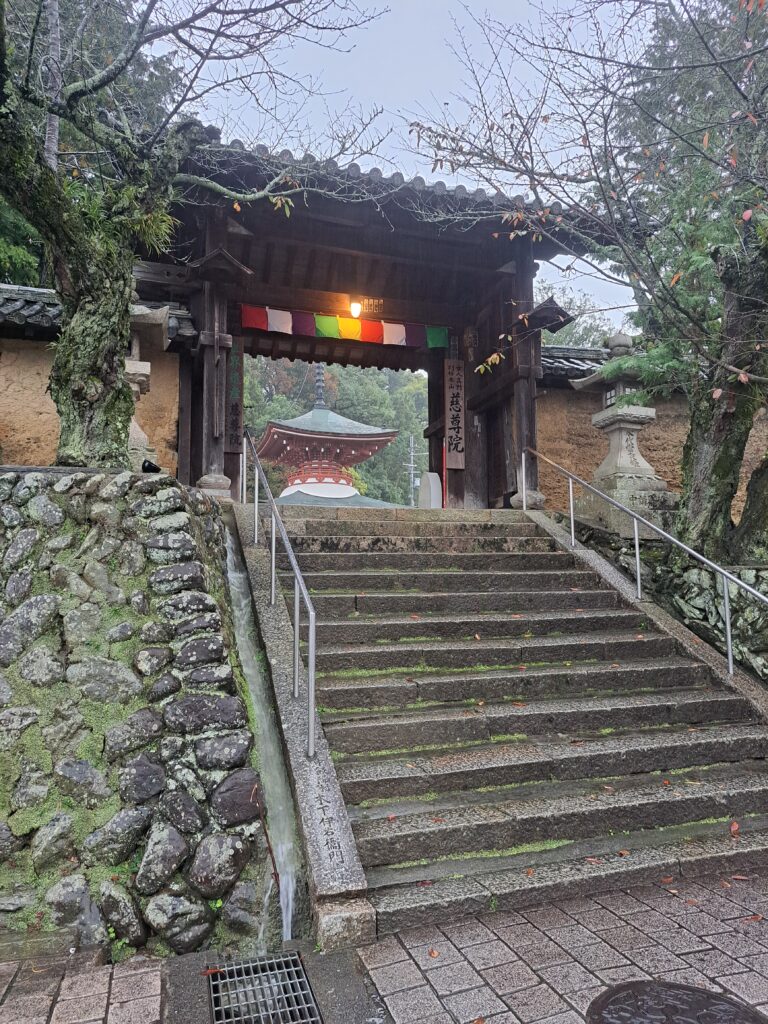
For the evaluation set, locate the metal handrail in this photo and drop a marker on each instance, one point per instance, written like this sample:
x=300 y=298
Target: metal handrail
x=637 y=521
x=300 y=591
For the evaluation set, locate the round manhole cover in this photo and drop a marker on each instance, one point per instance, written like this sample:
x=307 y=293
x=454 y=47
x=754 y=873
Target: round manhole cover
x=656 y=1002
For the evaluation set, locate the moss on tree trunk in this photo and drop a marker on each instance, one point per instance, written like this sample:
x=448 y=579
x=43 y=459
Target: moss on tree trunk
x=88 y=385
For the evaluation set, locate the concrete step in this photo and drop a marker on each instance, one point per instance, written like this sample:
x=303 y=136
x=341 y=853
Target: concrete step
x=503 y=763
x=509 y=818
x=361 y=732
x=479 y=654
x=399 y=691
x=343 y=606
x=412 y=528
x=377 y=542
x=411 y=561
x=580 y=869
x=483 y=626
x=377 y=516
x=457 y=582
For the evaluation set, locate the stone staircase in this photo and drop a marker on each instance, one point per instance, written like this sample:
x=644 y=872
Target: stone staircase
x=505 y=728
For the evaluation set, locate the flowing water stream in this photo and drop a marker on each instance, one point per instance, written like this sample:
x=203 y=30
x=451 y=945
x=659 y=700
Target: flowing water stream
x=277 y=791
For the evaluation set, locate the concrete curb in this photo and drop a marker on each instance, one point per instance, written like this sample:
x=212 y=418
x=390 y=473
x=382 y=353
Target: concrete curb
x=337 y=883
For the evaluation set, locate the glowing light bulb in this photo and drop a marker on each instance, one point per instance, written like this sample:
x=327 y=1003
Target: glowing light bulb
x=355 y=308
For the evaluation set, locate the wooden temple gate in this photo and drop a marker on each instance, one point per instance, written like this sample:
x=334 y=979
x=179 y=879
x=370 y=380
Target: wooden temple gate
x=258 y=282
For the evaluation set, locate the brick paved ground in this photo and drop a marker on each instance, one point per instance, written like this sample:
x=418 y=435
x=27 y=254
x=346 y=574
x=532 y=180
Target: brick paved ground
x=546 y=964
x=57 y=991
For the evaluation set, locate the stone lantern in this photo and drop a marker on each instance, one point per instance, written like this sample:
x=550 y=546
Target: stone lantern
x=624 y=474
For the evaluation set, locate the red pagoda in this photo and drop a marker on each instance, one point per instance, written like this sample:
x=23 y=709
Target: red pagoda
x=318 y=448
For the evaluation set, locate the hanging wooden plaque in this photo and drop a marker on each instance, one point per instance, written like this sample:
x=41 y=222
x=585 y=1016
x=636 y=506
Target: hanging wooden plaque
x=234 y=415
x=454 y=414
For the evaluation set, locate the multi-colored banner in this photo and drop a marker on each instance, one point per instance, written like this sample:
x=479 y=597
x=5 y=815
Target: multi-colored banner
x=346 y=328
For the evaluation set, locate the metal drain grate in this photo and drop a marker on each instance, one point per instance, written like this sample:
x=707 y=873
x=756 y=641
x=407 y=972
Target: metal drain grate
x=270 y=990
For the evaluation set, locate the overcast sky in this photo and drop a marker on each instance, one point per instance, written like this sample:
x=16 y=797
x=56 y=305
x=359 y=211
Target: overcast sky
x=403 y=63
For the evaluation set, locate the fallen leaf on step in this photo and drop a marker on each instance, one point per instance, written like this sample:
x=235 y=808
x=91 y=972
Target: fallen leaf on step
x=640 y=636
x=438 y=821
x=481 y=703
x=724 y=884
x=409 y=765
x=426 y=883
x=433 y=954
x=666 y=782
x=522 y=667
x=577 y=743
x=624 y=853
x=480 y=1020
x=735 y=829
x=692 y=903
x=391 y=817
x=609 y=789
x=693 y=782
x=740 y=878
x=530 y=872
x=477 y=636
x=519 y=704
x=667 y=880
x=415 y=616
x=615 y=664
x=593 y=860
x=754 y=917
x=516 y=616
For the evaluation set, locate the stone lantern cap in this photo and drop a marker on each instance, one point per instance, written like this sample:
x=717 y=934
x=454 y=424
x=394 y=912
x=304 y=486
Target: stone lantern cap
x=618 y=345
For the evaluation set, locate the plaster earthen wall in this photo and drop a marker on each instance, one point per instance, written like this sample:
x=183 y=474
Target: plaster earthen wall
x=566 y=435
x=29 y=425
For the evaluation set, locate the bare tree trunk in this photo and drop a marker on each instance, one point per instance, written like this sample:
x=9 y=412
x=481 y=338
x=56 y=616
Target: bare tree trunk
x=722 y=414
x=51 y=148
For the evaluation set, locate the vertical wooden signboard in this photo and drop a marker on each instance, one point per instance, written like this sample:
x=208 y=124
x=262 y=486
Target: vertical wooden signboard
x=234 y=424
x=454 y=414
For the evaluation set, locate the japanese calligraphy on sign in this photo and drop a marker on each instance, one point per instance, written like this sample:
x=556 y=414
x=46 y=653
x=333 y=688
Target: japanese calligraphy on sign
x=454 y=414
x=234 y=421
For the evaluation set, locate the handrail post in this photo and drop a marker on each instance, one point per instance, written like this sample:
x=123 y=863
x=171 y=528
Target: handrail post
x=727 y=618
x=637 y=559
x=296 y=629
x=272 y=539
x=570 y=512
x=243 y=468
x=255 y=503
x=311 y=685
x=524 y=481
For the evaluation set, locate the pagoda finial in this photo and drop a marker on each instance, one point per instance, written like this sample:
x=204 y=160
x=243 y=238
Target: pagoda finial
x=320 y=386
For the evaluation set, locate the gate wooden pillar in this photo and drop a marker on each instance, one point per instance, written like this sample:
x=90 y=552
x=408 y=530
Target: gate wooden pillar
x=526 y=365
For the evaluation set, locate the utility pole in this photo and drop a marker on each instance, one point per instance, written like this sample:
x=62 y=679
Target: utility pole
x=411 y=466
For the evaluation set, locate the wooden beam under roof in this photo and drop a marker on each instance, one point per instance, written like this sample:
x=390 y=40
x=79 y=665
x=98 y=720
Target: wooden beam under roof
x=343 y=353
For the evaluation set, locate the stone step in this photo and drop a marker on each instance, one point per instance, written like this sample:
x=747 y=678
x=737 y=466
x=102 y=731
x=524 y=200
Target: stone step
x=413 y=528
x=444 y=582
x=413 y=561
x=522 y=815
x=386 y=515
x=484 y=627
x=382 y=542
x=398 y=691
x=503 y=763
x=606 y=646
x=343 y=606
x=445 y=724
x=580 y=869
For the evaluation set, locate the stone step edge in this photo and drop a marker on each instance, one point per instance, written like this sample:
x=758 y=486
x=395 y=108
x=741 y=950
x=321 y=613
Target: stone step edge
x=411 y=905
x=391 y=678
x=493 y=708
x=463 y=799
x=540 y=752
x=646 y=800
x=543 y=615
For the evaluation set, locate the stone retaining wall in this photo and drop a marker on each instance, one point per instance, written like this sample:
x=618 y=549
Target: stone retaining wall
x=694 y=595
x=128 y=796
